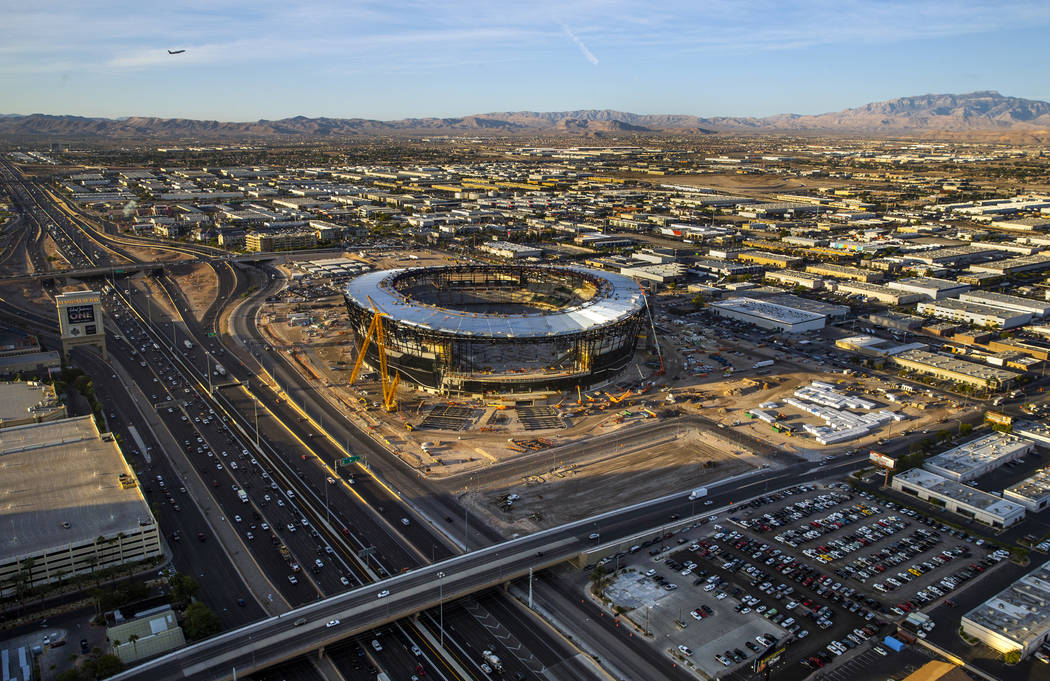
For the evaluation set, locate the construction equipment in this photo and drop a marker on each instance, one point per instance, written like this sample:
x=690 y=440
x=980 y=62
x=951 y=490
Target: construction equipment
x=652 y=325
x=389 y=384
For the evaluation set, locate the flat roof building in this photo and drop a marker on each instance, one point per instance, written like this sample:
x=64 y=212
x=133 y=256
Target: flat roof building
x=953 y=369
x=1037 y=308
x=771 y=259
x=975 y=458
x=934 y=289
x=1024 y=263
x=155 y=631
x=958 y=498
x=28 y=402
x=845 y=272
x=883 y=294
x=90 y=516
x=1033 y=492
x=796 y=278
x=509 y=250
x=1015 y=619
x=974 y=313
x=769 y=315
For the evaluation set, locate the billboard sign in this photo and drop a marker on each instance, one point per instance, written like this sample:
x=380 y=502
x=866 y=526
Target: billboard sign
x=880 y=459
x=80 y=314
x=768 y=658
x=998 y=418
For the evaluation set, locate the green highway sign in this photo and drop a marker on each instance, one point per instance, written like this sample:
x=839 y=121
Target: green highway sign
x=212 y=333
x=349 y=460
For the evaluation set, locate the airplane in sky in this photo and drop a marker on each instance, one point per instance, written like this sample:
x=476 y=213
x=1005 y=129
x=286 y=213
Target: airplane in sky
x=176 y=51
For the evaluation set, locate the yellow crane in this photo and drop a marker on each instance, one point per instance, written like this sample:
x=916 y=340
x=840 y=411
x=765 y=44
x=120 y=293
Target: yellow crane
x=389 y=384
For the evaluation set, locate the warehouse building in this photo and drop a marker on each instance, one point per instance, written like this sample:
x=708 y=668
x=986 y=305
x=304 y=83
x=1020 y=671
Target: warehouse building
x=957 y=370
x=1033 y=492
x=1025 y=263
x=90 y=517
x=883 y=294
x=845 y=272
x=1015 y=619
x=769 y=259
x=973 y=459
x=895 y=321
x=973 y=313
x=929 y=287
x=510 y=251
x=956 y=497
x=725 y=268
x=769 y=315
x=794 y=278
x=1033 y=348
x=661 y=274
x=1036 y=308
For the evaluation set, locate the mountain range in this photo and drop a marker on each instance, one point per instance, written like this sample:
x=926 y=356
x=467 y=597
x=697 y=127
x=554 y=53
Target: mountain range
x=985 y=113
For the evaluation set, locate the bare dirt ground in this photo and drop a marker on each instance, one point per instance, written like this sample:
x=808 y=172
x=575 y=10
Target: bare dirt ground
x=53 y=255
x=200 y=286
x=577 y=491
x=147 y=254
x=161 y=306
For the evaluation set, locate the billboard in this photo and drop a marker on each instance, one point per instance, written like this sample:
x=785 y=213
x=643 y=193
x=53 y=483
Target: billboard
x=880 y=459
x=80 y=314
x=998 y=418
x=768 y=658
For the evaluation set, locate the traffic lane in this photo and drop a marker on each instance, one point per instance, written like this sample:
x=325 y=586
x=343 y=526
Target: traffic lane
x=223 y=587
x=351 y=660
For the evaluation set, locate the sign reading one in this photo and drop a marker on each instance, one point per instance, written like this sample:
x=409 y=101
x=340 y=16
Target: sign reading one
x=882 y=460
x=80 y=314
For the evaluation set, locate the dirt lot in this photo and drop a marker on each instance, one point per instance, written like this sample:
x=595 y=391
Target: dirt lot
x=147 y=254
x=585 y=488
x=200 y=286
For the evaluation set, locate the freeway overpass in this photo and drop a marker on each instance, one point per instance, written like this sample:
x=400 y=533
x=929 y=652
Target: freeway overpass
x=277 y=639
x=87 y=272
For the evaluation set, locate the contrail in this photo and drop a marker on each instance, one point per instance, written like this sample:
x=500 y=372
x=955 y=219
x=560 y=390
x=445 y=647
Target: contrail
x=588 y=55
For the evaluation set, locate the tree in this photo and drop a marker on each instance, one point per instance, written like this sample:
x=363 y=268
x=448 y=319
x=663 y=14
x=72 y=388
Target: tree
x=200 y=622
x=183 y=587
x=1012 y=657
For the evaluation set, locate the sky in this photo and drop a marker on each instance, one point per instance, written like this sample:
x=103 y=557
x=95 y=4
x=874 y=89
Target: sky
x=271 y=59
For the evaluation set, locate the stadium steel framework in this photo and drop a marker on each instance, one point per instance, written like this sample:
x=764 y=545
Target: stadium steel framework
x=499 y=328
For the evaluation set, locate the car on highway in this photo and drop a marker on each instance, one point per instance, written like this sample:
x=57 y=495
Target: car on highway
x=406 y=522
x=383 y=594
x=293 y=579
x=332 y=623
x=593 y=535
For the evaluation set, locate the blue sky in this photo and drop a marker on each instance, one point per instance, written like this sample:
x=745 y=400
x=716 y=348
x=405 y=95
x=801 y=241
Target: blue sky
x=247 y=60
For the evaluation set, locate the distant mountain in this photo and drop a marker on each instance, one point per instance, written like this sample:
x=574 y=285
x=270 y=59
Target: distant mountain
x=979 y=113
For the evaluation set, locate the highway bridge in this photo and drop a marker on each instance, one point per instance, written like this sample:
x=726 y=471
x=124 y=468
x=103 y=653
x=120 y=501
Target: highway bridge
x=277 y=639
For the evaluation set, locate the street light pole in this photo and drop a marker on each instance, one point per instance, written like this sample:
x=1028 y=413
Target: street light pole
x=441 y=607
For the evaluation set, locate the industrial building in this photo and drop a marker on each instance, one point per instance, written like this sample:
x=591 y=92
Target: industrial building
x=1033 y=348
x=845 y=272
x=770 y=316
x=929 y=287
x=1033 y=492
x=956 y=497
x=1024 y=263
x=509 y=250
x=770 y=259
x=975 y=314
x=1036 y=308
x=662 y=274
x=90 y=517
x=957 y=370
x=795 y=278
x=878 y=292
x=1015 y=619
x=973 y=459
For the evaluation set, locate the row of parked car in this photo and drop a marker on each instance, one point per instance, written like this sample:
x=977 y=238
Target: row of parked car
x=840 y=646
x=796 y=511
x=950 y=583
x=863 y=537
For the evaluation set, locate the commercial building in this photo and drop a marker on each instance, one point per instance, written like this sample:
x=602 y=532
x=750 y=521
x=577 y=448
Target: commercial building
x=895 y=321
x=769 y=259
x=267 y=242
x=929 y=287
x=956 y=497
x=1025 y=263
x=1017 y=619
x=509 y=250
x=957 y=370
x=90 y=517
x=725 y=268
x=769 y=315
x=845 y=272
x=28 y=402
x=1033 y=348
x=1036 y=308
x=973 y=313
x=1033 y=492
x=975 y=458
x=661 y=274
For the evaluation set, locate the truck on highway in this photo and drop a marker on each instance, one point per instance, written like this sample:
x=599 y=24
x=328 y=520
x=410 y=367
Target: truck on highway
x=763 y=363
x=243 y=496
x=492 y=659
x=220 y=370
x=189 y=345
x=285 y=553
x=697 y=493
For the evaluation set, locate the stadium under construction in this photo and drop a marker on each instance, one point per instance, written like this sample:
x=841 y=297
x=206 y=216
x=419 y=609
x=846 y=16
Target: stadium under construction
x=484 y=329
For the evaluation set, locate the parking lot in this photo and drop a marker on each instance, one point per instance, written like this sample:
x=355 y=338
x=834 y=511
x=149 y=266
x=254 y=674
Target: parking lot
x=815 y=567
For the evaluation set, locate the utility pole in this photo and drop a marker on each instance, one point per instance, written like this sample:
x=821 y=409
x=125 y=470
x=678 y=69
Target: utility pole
x=530 y=587
x=441 y=608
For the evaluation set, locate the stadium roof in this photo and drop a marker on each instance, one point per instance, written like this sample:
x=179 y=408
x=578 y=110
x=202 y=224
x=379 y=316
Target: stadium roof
x=619 y=298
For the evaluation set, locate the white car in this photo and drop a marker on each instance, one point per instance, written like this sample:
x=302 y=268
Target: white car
x=685 y=650
x=332 y=623
x=383 y=594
